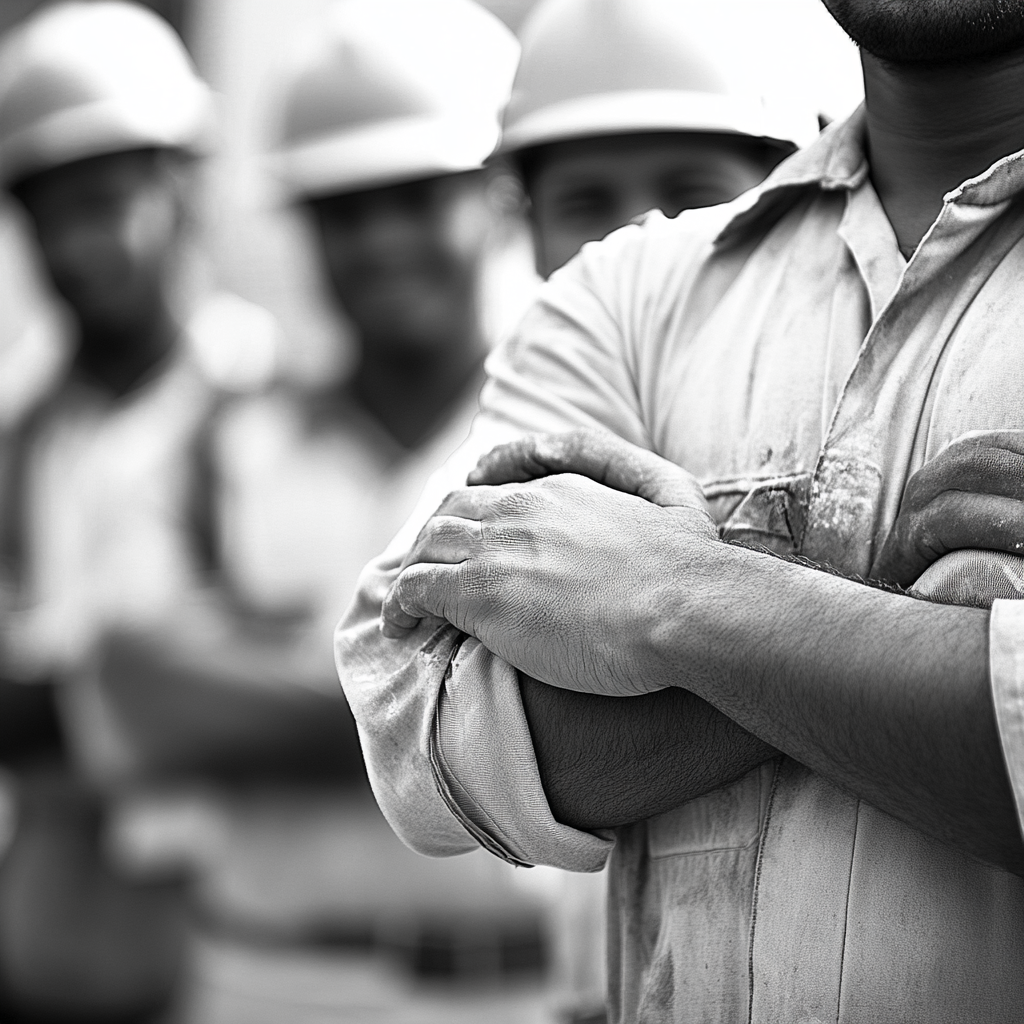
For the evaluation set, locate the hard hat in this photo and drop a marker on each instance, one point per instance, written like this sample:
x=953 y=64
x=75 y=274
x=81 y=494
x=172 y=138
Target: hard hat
x=393 y=90
x=83 y=79
x=611 y=67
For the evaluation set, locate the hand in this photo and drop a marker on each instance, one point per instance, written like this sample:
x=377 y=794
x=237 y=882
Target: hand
x=602 y=457
x=560 y=576
x=971 y=495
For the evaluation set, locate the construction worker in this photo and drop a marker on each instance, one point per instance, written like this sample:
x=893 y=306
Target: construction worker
x=621 y=107
x=388 y=111
x=105 y=497
x=812 y=797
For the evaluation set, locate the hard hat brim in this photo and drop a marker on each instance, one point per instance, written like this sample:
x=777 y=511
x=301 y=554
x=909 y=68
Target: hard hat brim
x=636 y=111
x=103 y=127
x=402 y=149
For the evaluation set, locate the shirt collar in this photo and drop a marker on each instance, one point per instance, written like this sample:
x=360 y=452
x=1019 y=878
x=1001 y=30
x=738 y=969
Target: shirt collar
x=837 y=161
x=834 y=161
x=1001 y=182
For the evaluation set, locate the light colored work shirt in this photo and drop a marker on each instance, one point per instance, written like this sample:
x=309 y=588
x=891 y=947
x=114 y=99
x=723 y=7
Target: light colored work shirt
x=782 y=350
x=311 y=488
x=103 y=493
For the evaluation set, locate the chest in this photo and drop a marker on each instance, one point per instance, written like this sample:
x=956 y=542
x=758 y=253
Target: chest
x=97 y=478
x=803 y=410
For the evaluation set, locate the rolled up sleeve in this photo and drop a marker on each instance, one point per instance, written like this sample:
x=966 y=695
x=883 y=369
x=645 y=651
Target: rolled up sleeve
x=445 y=738
x=485 y=764
x=392 y=689
x=1006 y=668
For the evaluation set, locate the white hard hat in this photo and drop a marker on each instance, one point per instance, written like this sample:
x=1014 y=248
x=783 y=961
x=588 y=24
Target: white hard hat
x=83 y=79
x=394 y=90
x=610 y=67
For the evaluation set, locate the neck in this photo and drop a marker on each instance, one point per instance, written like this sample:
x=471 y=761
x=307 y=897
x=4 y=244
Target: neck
x=119 y=358
x=929 y=129
x=413 y=395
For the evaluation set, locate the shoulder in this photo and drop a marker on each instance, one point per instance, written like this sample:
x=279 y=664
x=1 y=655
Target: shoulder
x=621 y=288
x=646 y=271
x=635 y=257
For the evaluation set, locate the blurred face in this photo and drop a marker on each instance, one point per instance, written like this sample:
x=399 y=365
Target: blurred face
x=932 y=31
x=583 y=189
x=403 y=261
x=107 y=228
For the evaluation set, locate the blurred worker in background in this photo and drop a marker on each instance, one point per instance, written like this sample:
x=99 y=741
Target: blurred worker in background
x=618 y=108
x=106 y=502
x=389 y=110
x=388 y=116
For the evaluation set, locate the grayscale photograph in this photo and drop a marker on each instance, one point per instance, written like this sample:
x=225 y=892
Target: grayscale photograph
x=511 y=511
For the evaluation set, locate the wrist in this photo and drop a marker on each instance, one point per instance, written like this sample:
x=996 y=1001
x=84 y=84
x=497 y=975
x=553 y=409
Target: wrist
x=699 y=606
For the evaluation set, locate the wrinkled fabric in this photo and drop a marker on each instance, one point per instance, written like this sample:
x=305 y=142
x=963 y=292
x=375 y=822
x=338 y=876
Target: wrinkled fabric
x=783 y=351
x=485 y=767
x=1006 y=667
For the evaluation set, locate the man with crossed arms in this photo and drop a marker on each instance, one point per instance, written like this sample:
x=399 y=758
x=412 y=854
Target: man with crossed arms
x=812 y=795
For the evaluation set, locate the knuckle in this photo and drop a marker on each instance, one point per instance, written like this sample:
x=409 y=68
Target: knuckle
x=486 y=582
x=522 y=501
x=575 y=443
x=510 y=535
x=966 y=443
x=446 y=531
x=911 y=523
x=926 y=538
x=452 y=498
x=492 y=578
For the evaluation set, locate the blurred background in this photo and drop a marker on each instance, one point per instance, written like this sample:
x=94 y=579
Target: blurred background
x=791 y=47
x=213 y=413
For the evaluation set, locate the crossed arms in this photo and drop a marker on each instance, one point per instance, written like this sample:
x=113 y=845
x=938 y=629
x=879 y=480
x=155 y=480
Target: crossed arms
x=593 y=568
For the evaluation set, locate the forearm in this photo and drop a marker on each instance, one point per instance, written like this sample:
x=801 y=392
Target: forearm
x=883 y=695
x=607 y=761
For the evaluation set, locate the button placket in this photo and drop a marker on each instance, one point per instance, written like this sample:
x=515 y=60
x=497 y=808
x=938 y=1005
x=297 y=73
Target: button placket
x=868 y=452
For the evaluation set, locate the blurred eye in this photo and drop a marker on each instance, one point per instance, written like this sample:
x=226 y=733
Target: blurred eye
x=418 y=197
x=87 y=212
x=585 y=204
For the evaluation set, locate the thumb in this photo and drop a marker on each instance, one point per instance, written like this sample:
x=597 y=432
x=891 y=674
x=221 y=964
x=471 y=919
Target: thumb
x=598 y=455
x=421 y=591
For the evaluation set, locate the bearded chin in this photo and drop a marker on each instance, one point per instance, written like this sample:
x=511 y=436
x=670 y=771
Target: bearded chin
x=932 y=32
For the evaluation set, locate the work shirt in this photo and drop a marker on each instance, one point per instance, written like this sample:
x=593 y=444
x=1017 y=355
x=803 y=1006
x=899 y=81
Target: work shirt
x=782 y=350
x=105 y=501
x=311 y=487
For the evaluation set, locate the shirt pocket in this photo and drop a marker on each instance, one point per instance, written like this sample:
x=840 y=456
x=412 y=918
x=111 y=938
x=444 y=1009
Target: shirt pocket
x=728 y=818
x=767 y=513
